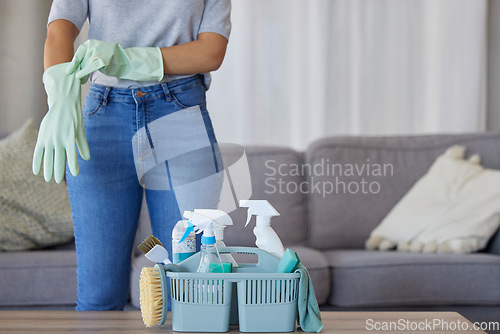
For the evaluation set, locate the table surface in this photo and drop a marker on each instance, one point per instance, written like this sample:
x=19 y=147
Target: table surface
x=16 y=322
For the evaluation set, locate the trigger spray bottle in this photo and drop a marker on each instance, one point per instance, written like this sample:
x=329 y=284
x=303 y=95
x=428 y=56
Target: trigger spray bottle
x=210 y=261
x=266 y=237
x=182 y=250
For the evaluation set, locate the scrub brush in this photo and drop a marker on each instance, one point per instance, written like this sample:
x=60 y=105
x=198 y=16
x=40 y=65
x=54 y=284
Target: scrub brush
x=152 y=295
x=154 y=250
x=149 y=243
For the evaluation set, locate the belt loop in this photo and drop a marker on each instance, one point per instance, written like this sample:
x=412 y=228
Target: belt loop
x=166 y=91
x=105 y=96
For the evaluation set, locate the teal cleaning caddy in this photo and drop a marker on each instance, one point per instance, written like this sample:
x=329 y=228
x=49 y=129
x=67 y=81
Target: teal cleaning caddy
x=253 y=296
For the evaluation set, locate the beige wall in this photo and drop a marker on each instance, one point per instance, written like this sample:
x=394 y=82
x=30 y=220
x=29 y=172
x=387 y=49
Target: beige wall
x=493 y=67
x=22 y=35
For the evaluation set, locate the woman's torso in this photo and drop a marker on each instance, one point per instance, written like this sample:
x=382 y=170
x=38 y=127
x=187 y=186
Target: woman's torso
x=158 y=23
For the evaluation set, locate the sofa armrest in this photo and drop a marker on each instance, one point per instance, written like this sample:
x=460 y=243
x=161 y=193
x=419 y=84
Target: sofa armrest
x=493 y=246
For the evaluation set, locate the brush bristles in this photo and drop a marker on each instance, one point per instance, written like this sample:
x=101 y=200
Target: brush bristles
x=148 y=244
x=150 y=296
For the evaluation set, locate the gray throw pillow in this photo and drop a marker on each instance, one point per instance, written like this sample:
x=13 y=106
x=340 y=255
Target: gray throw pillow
x=33 y=213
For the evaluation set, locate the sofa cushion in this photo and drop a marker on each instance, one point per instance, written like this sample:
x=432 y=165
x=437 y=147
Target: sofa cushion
x=44 y=277
x=291 y=224
x=263 y=163
x=345 y=213
x=372 y=278
x=453 y=208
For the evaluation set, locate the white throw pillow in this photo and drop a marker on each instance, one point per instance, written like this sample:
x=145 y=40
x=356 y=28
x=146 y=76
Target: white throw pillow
x=453 y=208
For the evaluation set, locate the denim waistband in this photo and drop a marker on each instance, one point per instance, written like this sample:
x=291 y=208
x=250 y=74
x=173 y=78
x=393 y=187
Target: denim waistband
x=146 y=93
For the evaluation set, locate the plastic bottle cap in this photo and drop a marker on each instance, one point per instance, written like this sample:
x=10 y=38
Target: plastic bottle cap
x=208 y=240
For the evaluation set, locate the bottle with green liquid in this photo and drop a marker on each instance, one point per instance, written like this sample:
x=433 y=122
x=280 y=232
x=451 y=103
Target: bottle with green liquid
x=210 y=261
x=209 y=257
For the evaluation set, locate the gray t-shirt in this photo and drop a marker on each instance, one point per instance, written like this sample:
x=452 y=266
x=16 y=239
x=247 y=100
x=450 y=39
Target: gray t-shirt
x=159 y=23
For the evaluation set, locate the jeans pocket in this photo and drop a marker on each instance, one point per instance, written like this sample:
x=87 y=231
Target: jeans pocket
x=190 y=97
x=92 y=106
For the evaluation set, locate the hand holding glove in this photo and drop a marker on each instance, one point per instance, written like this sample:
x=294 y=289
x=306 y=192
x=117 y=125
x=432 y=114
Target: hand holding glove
x=61 y=127
x=137 y=63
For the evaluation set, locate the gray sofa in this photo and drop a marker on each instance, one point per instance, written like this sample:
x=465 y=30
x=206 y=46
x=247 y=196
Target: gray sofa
x=327 y=227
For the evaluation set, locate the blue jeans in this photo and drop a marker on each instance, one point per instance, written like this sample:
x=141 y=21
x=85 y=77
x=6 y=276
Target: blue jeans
x=106 y=196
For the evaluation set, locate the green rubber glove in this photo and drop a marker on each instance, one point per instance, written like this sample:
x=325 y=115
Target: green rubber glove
x=61 y=127
x=138 y=63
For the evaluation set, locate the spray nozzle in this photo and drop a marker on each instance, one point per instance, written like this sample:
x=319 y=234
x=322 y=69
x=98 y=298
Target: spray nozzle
x=260 y=208
x=205 y=221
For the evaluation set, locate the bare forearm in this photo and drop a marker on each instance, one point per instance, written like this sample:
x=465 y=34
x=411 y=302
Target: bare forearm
x=61 y=35
x=202 y=55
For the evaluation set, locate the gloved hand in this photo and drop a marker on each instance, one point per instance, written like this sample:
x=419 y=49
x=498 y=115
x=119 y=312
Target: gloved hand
x=61 y=127
x=137 y=63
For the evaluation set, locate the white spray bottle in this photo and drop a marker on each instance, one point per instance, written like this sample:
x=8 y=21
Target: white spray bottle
x=266 y=237
x=210 y=261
